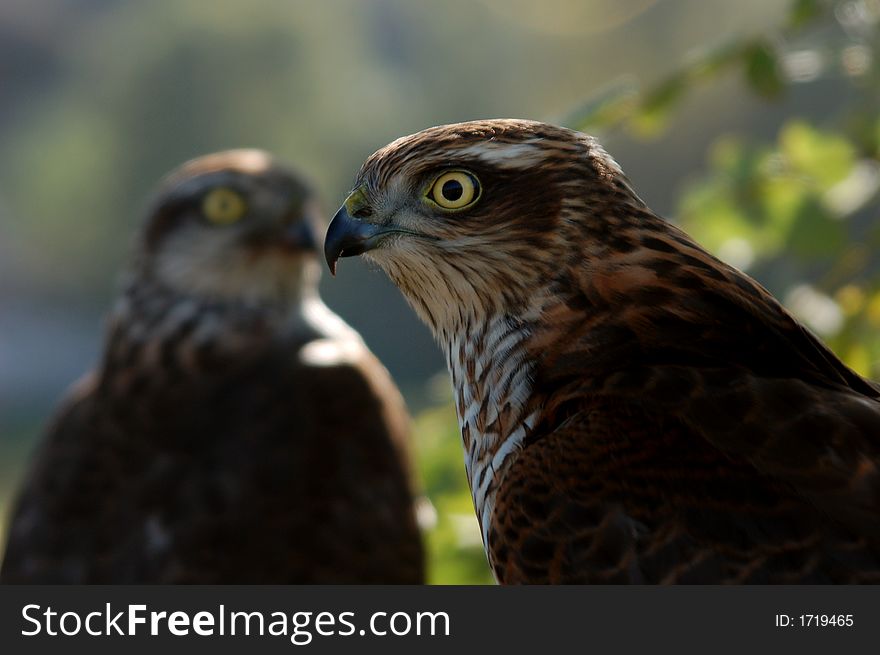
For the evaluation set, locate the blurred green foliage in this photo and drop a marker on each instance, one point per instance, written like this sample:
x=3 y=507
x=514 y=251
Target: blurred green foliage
x=803 y=206
x=806 y=204
x=454 y=546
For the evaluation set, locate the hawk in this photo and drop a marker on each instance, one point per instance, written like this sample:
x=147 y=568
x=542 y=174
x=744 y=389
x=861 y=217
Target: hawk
x=632 y=409
x=235 y=430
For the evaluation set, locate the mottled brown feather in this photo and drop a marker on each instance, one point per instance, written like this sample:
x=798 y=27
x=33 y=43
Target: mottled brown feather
x=230 y=437
x=658 y=416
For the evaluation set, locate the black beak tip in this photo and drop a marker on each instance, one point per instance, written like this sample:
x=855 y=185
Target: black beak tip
x=332 y=246
x=346 y=237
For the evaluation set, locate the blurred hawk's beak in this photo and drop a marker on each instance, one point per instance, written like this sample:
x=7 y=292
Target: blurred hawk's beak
x=347 y=237
x=299 y=235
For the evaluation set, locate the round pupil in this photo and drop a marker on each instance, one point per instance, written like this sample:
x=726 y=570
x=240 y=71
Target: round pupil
x=452 y=190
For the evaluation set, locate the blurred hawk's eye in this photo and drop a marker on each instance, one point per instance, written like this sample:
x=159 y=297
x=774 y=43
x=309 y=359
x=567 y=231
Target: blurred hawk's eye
x=454 y=190
x=223 y=206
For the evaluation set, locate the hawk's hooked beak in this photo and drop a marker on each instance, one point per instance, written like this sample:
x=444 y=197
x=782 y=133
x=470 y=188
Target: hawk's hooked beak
x=348 y=236
x=299 y=235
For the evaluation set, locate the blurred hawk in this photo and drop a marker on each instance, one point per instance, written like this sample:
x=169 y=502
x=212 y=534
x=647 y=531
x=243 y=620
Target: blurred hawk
x=631 y=408
x=235 y=431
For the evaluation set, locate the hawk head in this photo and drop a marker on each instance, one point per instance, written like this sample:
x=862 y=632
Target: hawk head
x=470 y=219
x=232 y=227
x=536 y=226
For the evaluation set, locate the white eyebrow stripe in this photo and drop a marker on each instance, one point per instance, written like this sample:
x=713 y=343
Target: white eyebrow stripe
x=507 y=155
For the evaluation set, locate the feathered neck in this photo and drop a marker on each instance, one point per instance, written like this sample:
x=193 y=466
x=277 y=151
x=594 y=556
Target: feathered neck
x=158 y=331
x=492 y=372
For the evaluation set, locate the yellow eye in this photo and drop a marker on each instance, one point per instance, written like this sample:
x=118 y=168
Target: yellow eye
x=454 y=190
x=223 y=206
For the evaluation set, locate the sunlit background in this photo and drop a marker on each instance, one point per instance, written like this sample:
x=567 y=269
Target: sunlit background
x=753 y=123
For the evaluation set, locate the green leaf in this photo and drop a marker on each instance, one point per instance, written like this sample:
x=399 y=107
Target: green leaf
x=762 y=70
x=814 y=233
x=656 y=109
x=803 y=12
x=609 y=106
x=716 y=59
x=825 y=157
x=858 y=359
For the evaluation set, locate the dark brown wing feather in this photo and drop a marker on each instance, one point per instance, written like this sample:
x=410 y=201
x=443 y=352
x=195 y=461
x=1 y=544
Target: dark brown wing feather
x=623 y=494
x=685 y=406
x=269 y=472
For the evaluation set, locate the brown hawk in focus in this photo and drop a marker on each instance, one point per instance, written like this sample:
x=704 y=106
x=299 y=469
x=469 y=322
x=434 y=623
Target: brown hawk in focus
x=236 y=430
x=632 y=409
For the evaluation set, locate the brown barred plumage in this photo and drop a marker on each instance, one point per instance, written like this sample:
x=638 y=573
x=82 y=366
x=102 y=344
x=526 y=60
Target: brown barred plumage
x=236 y=431
x=632 y=409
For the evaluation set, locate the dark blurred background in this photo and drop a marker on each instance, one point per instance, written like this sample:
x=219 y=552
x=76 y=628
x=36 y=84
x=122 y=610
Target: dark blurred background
x=753 y=123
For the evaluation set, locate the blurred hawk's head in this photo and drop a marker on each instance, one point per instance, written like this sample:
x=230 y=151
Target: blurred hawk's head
x=471 y=218
x=232 y=226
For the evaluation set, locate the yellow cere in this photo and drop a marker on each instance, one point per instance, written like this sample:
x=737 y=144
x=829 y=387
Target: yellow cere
x=223 y=206
x=454 y=190
x=356 y=201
